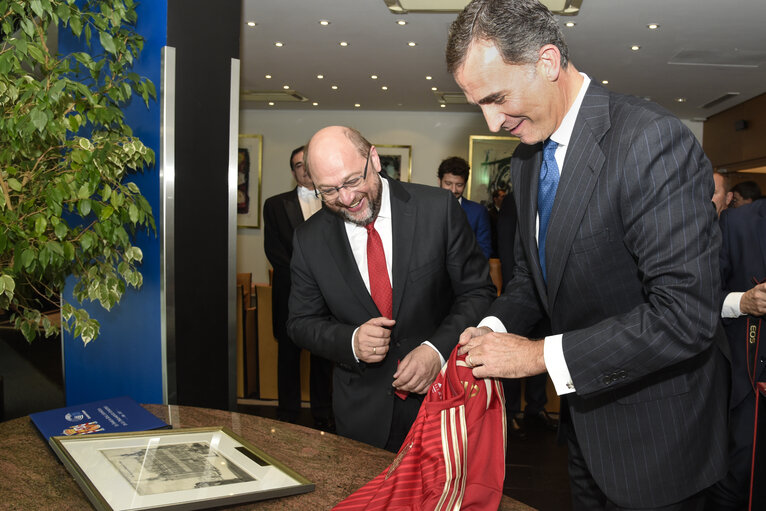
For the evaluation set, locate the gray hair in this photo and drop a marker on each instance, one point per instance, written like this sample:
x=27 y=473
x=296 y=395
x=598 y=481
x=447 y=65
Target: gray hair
x=518 y=28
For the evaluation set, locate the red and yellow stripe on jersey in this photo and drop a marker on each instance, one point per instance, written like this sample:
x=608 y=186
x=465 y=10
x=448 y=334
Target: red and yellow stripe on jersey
x=454 y=455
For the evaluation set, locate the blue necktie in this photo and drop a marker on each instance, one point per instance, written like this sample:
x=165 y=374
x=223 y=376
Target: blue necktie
x=546 y=193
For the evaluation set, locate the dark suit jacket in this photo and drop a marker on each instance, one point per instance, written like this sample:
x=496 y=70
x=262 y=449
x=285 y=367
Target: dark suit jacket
x=281 y=215
x=478 y=219
x=441 y=285
x=743 y=258
x=632 y=260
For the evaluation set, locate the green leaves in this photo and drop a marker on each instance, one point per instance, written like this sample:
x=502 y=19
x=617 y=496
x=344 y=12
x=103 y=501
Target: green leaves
x=65 y=151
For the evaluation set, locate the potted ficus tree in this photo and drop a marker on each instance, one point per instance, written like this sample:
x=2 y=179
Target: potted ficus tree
x=66 y=208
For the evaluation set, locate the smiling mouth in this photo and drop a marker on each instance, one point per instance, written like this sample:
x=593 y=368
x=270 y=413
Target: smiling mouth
x=355 y=203
x=511 y=129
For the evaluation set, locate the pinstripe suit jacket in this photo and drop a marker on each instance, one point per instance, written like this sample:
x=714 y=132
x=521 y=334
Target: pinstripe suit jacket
x=632 y=260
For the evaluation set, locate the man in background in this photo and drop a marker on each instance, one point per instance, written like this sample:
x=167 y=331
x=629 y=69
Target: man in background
x=282 y=214
x=721 y=196
x=494 y=210
x=385 y=277
x=744 y=192
x=743 y=280
x=453 y=175
x=617 y=246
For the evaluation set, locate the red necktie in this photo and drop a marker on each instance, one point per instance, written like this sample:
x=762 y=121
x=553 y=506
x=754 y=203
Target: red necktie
x=380 y=285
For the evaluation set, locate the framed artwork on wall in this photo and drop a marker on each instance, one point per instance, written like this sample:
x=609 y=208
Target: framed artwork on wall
x=396 y=161
x=490 y=160
x=249 y=160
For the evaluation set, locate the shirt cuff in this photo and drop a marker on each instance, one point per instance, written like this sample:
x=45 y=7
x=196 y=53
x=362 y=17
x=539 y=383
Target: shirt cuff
x=730 y=307
x=493 y=324
x=441 y=358
x=553 y=352
x=353 y=352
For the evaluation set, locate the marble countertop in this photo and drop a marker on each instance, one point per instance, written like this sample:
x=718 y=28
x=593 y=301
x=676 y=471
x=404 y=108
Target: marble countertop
x=33 y=478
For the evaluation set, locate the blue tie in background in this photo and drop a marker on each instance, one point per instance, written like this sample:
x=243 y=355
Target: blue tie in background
x=546 y=192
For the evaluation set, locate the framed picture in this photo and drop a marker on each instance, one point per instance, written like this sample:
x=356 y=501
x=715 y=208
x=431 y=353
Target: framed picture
x=490 y=160
x=192 y=468
x=396 y=161
x=249 y=180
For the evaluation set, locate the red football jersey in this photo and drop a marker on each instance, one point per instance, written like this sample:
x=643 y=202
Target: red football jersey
x=454 y=455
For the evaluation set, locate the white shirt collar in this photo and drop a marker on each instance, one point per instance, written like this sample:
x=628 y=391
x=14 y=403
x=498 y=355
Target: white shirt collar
x=562 y=135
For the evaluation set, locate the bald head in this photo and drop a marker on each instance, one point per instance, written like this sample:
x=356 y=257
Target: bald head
x=333 y=140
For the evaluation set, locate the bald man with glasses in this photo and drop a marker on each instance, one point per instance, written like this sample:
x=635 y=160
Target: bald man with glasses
x=384 y=279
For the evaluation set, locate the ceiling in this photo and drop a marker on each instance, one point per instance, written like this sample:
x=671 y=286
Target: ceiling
x=702 y=51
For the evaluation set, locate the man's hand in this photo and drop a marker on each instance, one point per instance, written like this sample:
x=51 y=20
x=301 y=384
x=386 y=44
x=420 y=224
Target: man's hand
x=471 y=332
x=418 y=370
x=372 y=339
x=502 y=355
x=753 y=302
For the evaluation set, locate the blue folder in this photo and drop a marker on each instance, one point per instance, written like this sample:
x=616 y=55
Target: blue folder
x=116 y=415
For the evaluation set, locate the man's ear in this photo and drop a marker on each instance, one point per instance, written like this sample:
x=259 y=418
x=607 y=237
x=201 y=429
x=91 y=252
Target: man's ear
x=549 y=62
x=375 y=159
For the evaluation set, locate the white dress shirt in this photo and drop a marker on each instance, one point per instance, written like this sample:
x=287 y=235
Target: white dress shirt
x=553 y=350
x=357 y=238
x=309 y=201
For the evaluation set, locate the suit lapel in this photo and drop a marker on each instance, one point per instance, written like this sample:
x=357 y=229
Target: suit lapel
x=525 y=179
x=340 y=250
x=583 y=163
x=403 y=219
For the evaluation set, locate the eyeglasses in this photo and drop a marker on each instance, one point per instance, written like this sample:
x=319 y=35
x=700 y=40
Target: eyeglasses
x=331 y=192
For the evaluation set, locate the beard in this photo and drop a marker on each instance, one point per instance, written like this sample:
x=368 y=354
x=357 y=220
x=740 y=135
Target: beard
x=362 y=218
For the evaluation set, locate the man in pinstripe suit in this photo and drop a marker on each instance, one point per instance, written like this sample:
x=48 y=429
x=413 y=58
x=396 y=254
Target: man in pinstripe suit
x=627 y=273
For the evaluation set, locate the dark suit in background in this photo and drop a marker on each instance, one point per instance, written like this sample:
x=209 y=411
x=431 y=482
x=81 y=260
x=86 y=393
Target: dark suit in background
x=440 y=285
x=281 y=216
x=743 y=263
x=478 y=219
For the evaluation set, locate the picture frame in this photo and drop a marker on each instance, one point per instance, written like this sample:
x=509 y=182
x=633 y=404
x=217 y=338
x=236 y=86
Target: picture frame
x=249 y=168
x=396 y=161
x=490 y=159
x=187 y=468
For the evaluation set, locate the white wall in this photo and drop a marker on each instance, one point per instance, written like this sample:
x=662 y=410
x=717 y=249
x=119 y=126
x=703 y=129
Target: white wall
x=433 y=137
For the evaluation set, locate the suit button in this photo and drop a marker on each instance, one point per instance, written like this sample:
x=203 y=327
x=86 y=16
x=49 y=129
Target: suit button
x=607 y=380
x=397 y=344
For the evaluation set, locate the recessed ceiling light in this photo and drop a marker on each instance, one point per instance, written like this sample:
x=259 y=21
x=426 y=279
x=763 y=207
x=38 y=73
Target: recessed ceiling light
x=429 y=78
x=271 y=103
x=443 y=106
x=401 y=22
x=570 y=24
x=324 y=23
x=315 y=103
x=251 y=23
x=357 y=105
x=412 y=43
x=334 y=87
x=384 y=88
x=652 y=26
x=286 y=87
x=343 y=43
x=434 y=88
x=605 y=82
x=268 y=77
x=279 y=44
x=374 y=77
x=320 y=77
x=635 y=47
x=681 y=100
